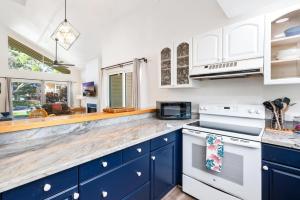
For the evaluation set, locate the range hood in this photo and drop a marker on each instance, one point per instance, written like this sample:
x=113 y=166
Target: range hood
x=234 y=69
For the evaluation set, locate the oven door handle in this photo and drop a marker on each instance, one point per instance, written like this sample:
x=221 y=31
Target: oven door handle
x=227 y=140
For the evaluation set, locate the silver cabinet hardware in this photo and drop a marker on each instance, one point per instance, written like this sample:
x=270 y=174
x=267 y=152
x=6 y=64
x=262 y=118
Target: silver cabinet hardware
x=153 y=157
x=47 y=187
x=139 y=173
x=265 y=167
x=139 y=150
x=104 y=164
x=76 y=195
x=104 y=194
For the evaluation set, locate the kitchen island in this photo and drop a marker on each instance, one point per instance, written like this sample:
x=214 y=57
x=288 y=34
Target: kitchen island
x=47 y=152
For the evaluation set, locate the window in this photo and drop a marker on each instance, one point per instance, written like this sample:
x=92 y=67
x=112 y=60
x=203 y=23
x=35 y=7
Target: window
x=26 y=96
x=120 y=89
x=22 y=57
x=56 y=92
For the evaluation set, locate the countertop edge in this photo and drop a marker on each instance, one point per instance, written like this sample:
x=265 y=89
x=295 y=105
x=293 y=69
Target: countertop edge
x=22 y=125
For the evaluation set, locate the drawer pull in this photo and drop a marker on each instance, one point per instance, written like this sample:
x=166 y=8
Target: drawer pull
x=139 y=173
x=153 y=157
x=104 y=164
x=139 y=150
x=104 y=194
x=166 y=139
x=76 y=195
x=47 y=187
x=265 y=167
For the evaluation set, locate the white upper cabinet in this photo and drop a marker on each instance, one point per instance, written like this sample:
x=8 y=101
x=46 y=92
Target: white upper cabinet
x=175 y=65
x=166 y=67
x=244 y=40
x=207 y=48
x=183 y=61
x=282 y=47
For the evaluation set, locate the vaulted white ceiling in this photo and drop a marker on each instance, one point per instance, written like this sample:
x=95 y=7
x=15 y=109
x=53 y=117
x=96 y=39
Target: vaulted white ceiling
x=35 y=20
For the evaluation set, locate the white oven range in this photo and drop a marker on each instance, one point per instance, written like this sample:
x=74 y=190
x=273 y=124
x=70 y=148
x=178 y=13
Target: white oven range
x=241 y=128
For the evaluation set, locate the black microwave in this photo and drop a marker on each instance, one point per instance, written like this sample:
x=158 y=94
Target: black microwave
x=174 y=110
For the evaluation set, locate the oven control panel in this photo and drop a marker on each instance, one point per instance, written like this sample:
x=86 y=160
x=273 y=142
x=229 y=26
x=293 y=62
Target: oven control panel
x=249 y=111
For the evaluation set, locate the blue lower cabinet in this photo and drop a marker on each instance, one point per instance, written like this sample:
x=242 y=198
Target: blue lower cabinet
x=45 y=187
x=280 y=175
x=99 y=166
x=70 y=194
x=136 y=151
x=280 y=182
x=142 y=193
x=118 y=183
x=178 y=157
x=163 y=171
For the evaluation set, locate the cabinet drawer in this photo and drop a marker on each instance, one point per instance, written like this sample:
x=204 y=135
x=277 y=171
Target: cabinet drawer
x=46 y=187
x=136 y=151
x=281 y=155
x=163 y=140
x=70 y=194
x=118 y=183
x=96 y=167
x=142 y=193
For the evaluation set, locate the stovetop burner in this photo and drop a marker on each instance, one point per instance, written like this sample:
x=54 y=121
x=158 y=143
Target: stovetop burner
x=246 y=130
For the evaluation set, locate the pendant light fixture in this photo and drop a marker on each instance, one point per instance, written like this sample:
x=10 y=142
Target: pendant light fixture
x=65 y=33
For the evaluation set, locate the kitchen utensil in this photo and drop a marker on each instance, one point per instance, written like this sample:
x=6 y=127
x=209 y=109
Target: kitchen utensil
x=292 y=31
x=279 y=106
x=276 y=115
x=269 y=106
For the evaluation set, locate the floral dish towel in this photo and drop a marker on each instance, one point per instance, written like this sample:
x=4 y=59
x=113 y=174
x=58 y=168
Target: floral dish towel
x=214 y=152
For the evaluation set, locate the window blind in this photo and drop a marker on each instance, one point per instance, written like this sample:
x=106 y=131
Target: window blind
x=20 y=47
x=16 y=45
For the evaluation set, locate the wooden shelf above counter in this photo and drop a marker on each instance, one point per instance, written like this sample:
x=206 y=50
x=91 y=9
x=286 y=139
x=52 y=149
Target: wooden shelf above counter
x=27 y=124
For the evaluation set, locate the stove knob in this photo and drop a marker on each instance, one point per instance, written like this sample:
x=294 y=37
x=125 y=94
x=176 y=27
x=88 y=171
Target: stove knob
x=257 y=112
x=250 y=111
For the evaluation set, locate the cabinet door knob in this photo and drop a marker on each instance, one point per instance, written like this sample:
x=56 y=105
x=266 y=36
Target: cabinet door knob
x=76 y=195
x=166 y=139
x=104 y=164
x=139 y=150
x=153 y=157
x=139 y=173
x=265 y=167
x=104 y=194
x=47 y=187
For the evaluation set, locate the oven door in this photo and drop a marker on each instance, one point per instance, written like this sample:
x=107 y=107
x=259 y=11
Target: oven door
x=241 y=170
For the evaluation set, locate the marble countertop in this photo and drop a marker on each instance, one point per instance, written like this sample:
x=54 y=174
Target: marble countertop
x=285 y=140
x=24 y=162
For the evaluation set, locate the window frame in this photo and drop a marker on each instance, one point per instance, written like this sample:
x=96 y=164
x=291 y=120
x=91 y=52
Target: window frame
x=106 y=82
x=24 y=81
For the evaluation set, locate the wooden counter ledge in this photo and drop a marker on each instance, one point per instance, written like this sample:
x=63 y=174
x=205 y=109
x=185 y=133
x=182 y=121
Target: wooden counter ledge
x=27 y=124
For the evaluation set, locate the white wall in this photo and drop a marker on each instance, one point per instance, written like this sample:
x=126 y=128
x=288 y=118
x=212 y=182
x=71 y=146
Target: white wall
x=143 y=33
x=90 y=73
x=6 y=72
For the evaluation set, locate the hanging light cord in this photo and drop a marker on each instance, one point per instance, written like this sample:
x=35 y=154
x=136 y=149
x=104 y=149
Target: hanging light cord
x=65 y=10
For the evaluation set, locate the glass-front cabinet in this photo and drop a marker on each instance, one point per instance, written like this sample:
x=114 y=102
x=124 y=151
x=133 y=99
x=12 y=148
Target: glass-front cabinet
x=175 y=65
x=183 y=64
x=282 y=55
x=166 y=67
